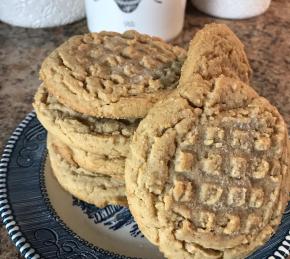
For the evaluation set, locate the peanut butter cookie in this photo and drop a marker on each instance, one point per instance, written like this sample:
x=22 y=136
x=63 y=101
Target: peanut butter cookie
x=209 y=181
x=112 y=75
x=97 y=189
x=216 y=50
x=99 y=136
x=113 y=167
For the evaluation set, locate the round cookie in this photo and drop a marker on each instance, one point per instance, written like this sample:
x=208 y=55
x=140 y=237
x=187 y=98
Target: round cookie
x=93 y=188
x=209 y=182
x=112 y=75
x=99 y=136
x=216 y=50
x=113 y=167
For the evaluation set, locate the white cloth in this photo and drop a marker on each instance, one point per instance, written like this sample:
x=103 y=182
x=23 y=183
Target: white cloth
x=41 y=13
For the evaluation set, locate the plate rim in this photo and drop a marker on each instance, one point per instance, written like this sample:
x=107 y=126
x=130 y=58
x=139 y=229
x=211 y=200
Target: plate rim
x=13 y=229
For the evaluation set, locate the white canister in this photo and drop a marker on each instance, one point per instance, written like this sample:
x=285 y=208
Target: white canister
x=232 y=9
x=41 y=13
x=162 y=18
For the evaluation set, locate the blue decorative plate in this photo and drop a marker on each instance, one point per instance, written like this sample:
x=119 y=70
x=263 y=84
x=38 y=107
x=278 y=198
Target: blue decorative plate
x=43 y=221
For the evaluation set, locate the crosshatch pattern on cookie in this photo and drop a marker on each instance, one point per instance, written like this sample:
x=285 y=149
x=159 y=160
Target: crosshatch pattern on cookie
x=221 y=175
x=112 y=75
x=222 y=191
x=103 y=62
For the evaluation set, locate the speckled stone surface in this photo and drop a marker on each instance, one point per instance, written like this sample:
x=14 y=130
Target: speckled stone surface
x=267 y=41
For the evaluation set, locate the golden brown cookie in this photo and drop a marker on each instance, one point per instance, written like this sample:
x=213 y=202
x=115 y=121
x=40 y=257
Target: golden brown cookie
x=209 y=181
x=99 y=136
x=112 y=75
x=113 y=167
x=216 y=50
x=97 y=189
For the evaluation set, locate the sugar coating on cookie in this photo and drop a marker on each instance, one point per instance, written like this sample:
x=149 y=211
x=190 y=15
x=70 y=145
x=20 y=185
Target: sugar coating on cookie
x=105 y=137
x=98 y=189
x=112 y=75
x=209 y=181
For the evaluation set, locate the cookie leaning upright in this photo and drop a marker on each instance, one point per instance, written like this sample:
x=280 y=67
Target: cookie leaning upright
x=208 y=169
x=112 y=75
x=210 y=182
x=216 y=50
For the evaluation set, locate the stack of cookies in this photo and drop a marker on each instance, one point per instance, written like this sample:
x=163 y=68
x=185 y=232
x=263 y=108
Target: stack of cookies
x=206 y=166
x=95 y=90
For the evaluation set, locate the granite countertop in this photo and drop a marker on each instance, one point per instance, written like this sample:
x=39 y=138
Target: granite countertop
x=266 y=38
